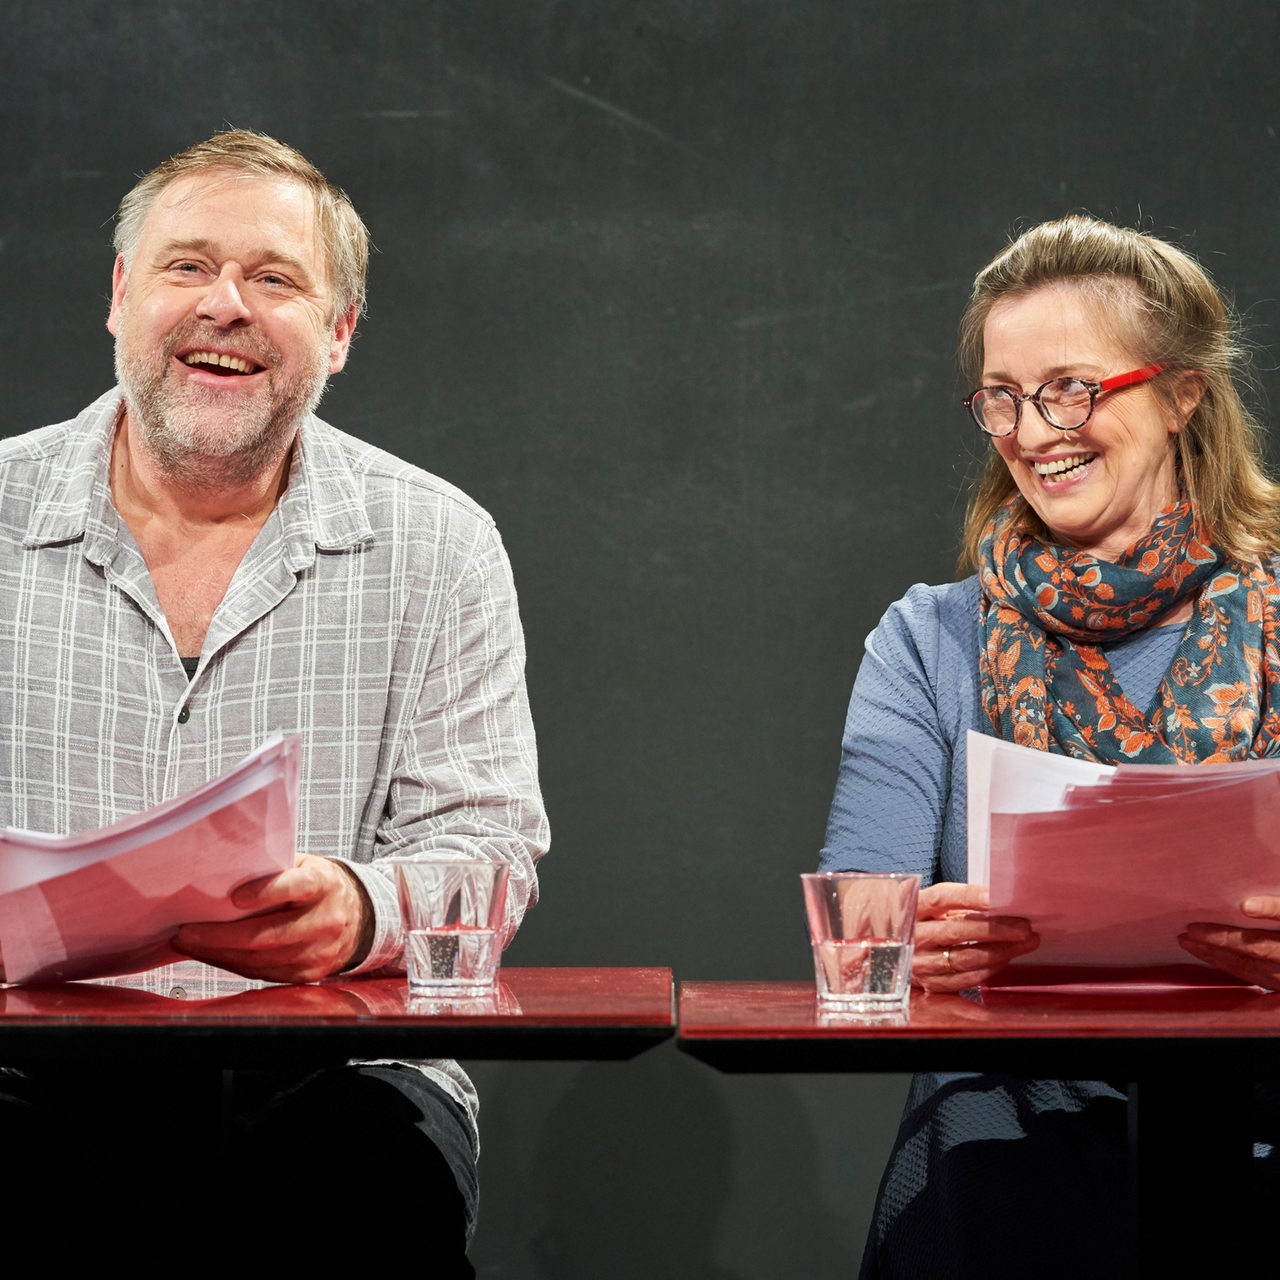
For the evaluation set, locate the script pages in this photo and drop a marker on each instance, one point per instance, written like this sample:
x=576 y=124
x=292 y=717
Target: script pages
x=1111 y=863
x=108 y=901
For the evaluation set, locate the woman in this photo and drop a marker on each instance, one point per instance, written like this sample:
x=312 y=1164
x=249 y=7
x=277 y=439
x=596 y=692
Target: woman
x=1122 y=606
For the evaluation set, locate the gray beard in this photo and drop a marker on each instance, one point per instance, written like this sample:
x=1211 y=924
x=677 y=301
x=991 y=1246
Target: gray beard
x=194 y=440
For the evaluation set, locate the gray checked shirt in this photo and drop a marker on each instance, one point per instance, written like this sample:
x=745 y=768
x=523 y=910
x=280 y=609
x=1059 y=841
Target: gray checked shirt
x=374 y=616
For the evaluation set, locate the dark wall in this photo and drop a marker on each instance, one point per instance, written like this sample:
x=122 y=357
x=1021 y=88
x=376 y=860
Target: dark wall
x=671 y=288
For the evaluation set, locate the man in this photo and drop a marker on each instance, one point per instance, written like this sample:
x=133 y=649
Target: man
x=197 y=561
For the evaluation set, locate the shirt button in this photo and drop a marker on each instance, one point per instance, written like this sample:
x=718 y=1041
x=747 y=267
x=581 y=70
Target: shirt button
x=184 y=715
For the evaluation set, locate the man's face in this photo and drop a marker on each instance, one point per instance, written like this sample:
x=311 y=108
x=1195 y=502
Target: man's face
x=224 y=324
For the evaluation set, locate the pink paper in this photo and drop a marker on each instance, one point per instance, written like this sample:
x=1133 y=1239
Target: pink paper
x=108 y=901
x=1111 y=874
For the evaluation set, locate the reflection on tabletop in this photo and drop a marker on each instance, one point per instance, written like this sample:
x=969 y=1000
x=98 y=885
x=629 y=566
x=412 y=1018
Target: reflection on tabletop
x=792 y=1009
x=1220 y=1005
x=191 y=989
x=500 y=1001
x=899 y=1016
x=1080 y=1007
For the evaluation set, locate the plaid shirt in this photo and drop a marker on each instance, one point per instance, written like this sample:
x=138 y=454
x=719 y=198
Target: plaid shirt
x=374 y=616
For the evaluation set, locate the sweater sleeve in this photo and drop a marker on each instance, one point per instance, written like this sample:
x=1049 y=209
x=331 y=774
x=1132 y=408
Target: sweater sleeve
x=914 y=695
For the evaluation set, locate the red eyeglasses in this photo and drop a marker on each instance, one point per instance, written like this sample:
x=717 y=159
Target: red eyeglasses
x=1064 y=403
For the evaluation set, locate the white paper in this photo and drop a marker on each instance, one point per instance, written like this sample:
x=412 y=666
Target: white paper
x=1006 y=778
x=108 y=901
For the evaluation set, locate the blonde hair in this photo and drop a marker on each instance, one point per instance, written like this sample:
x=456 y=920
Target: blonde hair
x=1168 y=312
x=242 y=151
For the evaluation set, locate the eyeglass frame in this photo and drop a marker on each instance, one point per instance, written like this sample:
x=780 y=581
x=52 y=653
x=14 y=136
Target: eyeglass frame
x=1133 y=378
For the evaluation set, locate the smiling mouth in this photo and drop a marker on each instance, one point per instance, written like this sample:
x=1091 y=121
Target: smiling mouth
x=227 y=366
x=1063 y=468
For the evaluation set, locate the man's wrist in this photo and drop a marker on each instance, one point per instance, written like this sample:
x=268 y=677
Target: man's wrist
x=366 y=921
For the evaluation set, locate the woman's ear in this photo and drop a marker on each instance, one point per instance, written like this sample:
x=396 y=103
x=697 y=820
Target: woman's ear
x=1188 y=390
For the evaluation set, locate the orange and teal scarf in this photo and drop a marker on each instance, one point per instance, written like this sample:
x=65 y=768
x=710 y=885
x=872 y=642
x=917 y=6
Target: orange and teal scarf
x=1047 y=613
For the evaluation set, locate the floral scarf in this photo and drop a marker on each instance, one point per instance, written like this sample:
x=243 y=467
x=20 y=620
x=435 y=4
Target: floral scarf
x=1048 y=611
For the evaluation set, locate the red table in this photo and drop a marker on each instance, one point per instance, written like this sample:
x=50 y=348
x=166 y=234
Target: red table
x=777 y=1026
x=226 y=1022
x=210 y=1031
x=1188 y=1057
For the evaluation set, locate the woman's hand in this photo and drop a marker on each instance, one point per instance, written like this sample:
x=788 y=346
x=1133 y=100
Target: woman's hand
x=1250 y=954
x=958 y=945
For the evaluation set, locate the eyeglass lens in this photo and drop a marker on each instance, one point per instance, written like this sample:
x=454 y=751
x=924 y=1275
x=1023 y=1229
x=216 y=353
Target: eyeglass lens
x=1065 y=403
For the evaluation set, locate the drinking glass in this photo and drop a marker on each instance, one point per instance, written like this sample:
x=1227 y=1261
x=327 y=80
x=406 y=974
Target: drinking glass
x=452 y=912
x=862 y=930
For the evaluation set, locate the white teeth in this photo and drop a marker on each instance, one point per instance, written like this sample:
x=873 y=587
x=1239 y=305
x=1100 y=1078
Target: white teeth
x=225 y=362
x=1060 y=465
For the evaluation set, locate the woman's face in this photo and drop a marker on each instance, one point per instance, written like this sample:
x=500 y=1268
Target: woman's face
x=1100 y=487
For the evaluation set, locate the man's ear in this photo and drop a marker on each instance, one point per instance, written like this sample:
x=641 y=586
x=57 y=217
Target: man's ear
x=344 y=329
x=118 y=281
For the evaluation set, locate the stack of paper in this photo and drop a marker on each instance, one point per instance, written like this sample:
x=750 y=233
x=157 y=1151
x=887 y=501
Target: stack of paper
x=108 y=901
x=1111 y=863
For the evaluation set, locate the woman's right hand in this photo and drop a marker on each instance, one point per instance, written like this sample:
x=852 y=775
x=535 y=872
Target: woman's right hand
x=958 y=945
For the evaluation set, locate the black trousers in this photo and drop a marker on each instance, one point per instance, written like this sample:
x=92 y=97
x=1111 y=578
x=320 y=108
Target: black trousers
x=349 y=1164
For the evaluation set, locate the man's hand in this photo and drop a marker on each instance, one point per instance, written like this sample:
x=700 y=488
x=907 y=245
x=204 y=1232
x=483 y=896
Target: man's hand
x=310 y=921
x=1251 y=954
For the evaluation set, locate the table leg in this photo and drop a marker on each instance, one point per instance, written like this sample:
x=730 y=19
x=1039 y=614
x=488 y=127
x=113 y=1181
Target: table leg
x=1190 y=1148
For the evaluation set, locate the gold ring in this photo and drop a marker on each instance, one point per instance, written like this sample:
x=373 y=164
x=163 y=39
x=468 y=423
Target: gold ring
x=946 y=957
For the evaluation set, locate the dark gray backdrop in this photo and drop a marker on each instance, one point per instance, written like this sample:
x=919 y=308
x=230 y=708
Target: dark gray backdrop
x=671 y=288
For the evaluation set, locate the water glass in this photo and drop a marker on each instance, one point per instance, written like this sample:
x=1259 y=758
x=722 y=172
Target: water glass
x=862 y=930
x=452 y=913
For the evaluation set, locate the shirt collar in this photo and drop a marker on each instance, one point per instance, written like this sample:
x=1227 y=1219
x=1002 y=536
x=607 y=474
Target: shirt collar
x=77 y=482
x=322 y=507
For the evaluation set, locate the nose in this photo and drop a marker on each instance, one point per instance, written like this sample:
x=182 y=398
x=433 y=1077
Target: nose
x=1035 y=433
x=223 y=301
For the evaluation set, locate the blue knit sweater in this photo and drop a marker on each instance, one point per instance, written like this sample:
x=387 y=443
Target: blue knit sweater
x=900 y=805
